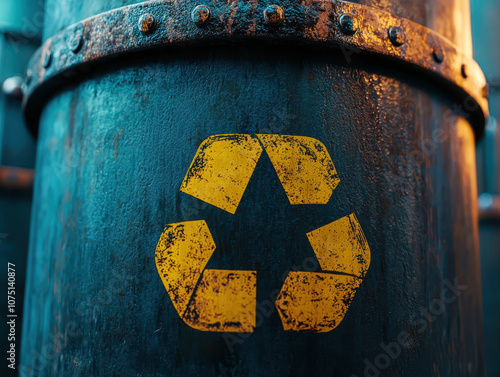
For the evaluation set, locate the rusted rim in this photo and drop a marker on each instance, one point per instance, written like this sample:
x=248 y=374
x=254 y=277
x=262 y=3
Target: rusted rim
x=116 y=32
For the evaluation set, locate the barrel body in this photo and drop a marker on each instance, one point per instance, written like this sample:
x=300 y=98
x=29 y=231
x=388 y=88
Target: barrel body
x=114 y=152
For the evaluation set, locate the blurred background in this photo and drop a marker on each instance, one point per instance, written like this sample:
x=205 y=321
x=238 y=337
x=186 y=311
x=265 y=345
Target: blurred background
x=21 y=23
x=486 y=42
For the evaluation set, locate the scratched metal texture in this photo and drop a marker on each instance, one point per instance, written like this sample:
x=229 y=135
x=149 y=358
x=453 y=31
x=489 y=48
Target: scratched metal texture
x=451 y=18
x=114 y=148
x=127 y=136
x=114 y=33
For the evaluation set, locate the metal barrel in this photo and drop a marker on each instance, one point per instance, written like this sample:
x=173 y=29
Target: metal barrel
x=255 y=189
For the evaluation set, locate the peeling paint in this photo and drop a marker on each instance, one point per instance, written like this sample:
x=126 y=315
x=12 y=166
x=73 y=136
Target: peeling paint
x=221 y=170
x=304 y=167
x=210 y=300
x=315 y=302
x=224 y=301
x=342 y=247
x=181 y=256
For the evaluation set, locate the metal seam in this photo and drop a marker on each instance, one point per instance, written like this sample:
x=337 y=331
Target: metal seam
x=116 y=32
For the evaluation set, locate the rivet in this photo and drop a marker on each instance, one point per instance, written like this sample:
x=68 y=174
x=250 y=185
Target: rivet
x=47 y=59
x=274 y=15
x=437 y=54
x=201 y=15
x=464 y=71
x=147 y=23
x=486 y=91
x=29 y=77
x=76 y=40
x=12 y=87
x=396 y=36
x=348 y=24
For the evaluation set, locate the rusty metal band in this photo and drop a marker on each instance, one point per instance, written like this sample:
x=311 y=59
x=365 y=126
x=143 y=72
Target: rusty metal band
x=161 y=23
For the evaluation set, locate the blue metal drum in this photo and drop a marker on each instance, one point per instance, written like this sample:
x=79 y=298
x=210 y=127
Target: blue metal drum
x=254 y=189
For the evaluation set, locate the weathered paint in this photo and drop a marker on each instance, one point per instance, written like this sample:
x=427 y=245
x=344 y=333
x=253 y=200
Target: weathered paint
x=181 y=256
x=315 y=302
x=221 y=170
x=210 y=300
x=225 y=301
x=222 y=300
x=342 y=247
x=110 y=206
x=304 y=167
x=224 y=164
x=303 y=23
x=128 y=133
x=318 y=302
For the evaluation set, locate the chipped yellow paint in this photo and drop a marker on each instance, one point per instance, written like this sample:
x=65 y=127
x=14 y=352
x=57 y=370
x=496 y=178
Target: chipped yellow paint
x=181 y=256
x=315 y=302
x=221 y=170
x=210 y=300
x=342 y=247
x=224 y=301
x=304 y=167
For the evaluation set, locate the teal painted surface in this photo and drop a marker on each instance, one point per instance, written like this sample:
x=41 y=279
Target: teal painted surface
x=114 y=149
x=22 y=16
x=17 y=148
x=490 y=262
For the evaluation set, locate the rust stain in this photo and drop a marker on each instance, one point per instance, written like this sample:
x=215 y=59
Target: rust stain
x=116 y=140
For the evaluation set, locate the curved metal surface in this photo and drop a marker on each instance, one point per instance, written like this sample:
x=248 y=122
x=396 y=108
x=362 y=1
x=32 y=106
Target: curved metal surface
x=116 y=148
x=113 y=153
x=118 y=32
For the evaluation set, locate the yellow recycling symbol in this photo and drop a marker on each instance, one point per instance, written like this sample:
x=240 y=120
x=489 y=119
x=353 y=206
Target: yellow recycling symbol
x=225 y=300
